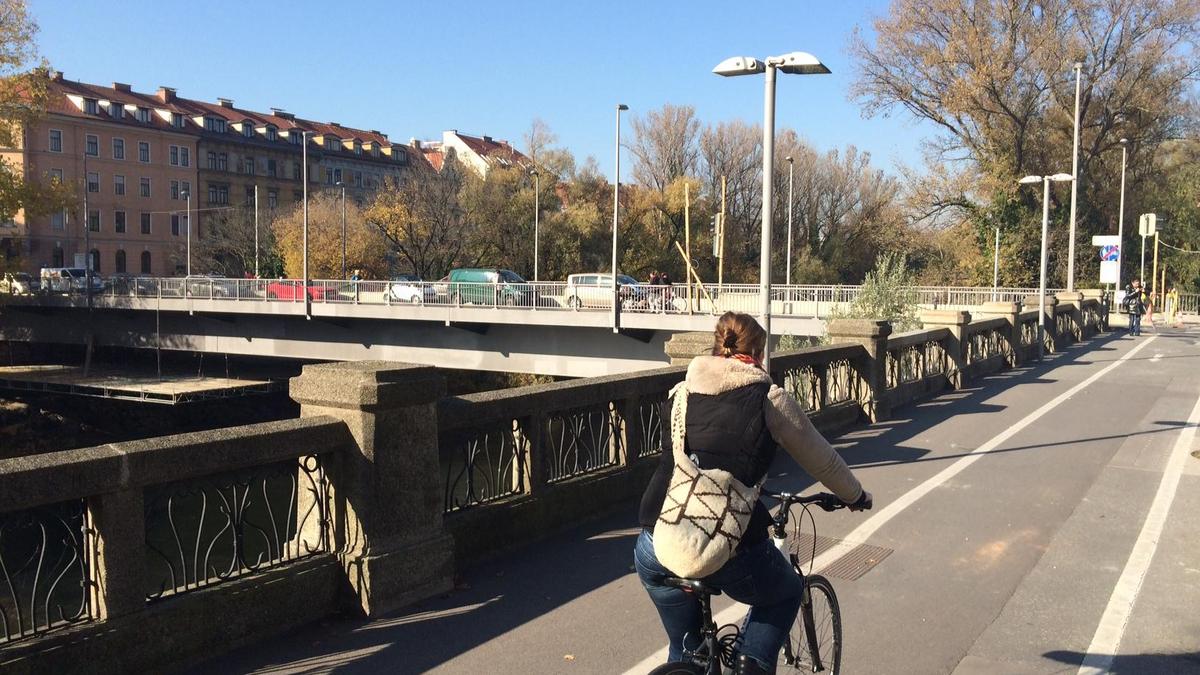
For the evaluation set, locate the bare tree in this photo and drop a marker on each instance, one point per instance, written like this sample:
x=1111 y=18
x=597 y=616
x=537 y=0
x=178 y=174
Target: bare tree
x=664 y=145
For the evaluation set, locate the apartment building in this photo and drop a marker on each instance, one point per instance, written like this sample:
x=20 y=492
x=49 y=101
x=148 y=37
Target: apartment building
x=137 y=157
x=480 y=153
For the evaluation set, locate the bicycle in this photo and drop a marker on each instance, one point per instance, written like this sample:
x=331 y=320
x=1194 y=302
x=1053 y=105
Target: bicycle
x=814 y=643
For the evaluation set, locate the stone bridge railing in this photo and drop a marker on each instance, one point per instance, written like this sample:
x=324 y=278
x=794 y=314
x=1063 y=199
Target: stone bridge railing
x=149 y=553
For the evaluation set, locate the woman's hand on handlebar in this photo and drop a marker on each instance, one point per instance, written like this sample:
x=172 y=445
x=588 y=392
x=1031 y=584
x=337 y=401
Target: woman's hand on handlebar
x=864 y=503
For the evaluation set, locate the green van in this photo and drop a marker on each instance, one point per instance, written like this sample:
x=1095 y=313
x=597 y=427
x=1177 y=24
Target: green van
x=484 y=286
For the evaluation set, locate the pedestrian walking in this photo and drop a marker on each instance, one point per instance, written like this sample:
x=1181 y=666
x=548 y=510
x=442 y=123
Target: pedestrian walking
x=1135 y=305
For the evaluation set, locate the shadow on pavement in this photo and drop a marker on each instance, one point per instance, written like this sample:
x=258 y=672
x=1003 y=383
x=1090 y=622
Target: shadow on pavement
x=514 y=589
x=1137 y=664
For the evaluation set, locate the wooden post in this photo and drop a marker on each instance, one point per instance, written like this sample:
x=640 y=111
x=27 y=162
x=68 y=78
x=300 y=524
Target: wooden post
x=687 y=238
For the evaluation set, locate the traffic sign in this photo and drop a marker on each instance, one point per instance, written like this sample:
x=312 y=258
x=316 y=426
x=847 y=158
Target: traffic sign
x=1147 y=224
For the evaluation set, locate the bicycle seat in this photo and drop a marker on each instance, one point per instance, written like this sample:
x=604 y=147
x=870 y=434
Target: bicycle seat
x=692 y=585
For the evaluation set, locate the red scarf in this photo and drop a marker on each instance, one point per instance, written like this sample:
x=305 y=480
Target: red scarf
x=747 y=359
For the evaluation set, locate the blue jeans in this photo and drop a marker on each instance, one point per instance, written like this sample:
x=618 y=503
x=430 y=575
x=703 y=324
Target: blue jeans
x=759 y=576
x=1135 y=323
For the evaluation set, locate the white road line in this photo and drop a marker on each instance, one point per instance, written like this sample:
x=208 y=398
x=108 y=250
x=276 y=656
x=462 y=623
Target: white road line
x=870 y=526
x=1107 y=640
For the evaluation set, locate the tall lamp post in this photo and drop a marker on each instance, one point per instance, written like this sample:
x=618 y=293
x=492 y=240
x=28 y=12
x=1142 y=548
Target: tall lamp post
x=342 y=185
x=188 y=196
x=791 y=167
x=1121 y=215
x=537 y=212
x=795 y=63
x=1074 y=183
x=304 y=159
x=616 y=210
x=1045 y=181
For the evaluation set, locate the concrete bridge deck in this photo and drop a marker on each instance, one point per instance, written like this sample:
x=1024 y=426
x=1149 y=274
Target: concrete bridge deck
x=1018 y=514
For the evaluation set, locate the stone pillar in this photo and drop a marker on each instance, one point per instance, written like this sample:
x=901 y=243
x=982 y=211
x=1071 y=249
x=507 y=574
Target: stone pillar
x=117 y=552
x=1052 y=340
x=873 y=335
x=1011 y=312
x=1075 y=300
x=955 y=346
x=387 y=491
x=683 y=347
x=1101 y=299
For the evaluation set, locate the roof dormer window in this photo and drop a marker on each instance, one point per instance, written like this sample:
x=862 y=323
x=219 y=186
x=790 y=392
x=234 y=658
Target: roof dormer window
x=398 y=155
x=214 y=125
x=374 y=149
x=331 y=143
x=90 y=106
x=357 y=148
x=143 y=115
x=177 y=120
x=248 y=129
x=296 y=136
x=272 y=133
x=115 y=109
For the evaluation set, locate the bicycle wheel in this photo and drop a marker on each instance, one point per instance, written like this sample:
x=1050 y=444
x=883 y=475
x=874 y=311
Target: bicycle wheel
x=678 y=669
x=825 y=617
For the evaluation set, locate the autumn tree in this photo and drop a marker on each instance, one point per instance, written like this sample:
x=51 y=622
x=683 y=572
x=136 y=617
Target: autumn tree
x=231 y=242
x=366 y=248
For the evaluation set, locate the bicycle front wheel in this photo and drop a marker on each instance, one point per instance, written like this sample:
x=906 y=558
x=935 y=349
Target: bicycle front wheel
x=678 y=669
x=815 y=642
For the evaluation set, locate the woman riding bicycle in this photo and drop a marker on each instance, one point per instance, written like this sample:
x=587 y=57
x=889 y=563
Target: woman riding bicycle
x=735 y=418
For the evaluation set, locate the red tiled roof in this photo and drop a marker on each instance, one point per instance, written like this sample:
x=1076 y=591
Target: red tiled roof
x=491 y=149
x=435 y=157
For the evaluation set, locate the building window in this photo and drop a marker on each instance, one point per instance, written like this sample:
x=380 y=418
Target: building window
x=250 y=195
x=212 y=160
x=272 y=134
x=249 y=164
x=247 y=130
x=146 y=222
x=296 y=170
x=144 y=152
x=115 y=109
x=175 y=224
x=272 y=199
x=143 y=115
x=357 y=148
x=55 y=140
x=119 y=185
x=374 y=149
x=295 y=137
x=119 y=267
x=337 y=175
x=118 y=148
x=218 y=194
x=145 y=262
x=93 y=181
x=332 y=144
x=174 y=154
x=222 y=162
x=328 y=176
x=399 y=155
x=144 y=188
x=90 y=107
x=215 y=125
x=119 y=222
x=177 y=120
x=272 y=168
x=58 y=221
x=94 y=220
x=185 y=188
x=185 y=156
x=358 y=179
x=93 y=146
x=95 y=261
x=174 y=189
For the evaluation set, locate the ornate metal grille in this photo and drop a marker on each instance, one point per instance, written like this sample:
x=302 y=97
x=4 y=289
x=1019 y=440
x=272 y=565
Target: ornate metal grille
x=804 y=386
x=582 y=441
x=1029 y=331
x=43 y=569
x=983 y=345
x=651 y=425
x=203 y=532
x=841 y=382
x=486 y=466
x=933 y=358
x=1064 y=324
x=904 y=365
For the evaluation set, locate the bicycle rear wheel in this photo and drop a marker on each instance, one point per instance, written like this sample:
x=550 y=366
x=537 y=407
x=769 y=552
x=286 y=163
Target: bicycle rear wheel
x=825 y=617
x=678 y=669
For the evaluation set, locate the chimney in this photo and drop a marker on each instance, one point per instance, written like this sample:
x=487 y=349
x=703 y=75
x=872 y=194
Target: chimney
x=121 y=86
x=487 y=139
x=225 y=102
x=56 y=75
x=166 y=94
x=414 y=143
x=280 y=112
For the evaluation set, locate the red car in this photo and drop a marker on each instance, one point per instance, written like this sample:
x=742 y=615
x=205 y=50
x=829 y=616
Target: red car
x=288 y=289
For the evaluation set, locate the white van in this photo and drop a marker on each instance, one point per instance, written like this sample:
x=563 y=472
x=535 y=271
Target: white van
x=68 y=280
x=595 y=290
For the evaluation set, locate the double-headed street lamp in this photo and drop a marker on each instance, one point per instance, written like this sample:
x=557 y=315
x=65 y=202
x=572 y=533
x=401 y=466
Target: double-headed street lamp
x=537 y=189
x=1045 y=181
x=795 y=63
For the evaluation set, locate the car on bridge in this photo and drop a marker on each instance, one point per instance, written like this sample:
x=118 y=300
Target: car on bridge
x=290 y=289
x=490 y=287
x=595 y=290
x=409 y=288
x=17 y=283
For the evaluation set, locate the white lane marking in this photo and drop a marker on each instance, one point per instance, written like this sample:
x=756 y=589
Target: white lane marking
x=1156 y=357
x=735 y=612
x=1107 y=640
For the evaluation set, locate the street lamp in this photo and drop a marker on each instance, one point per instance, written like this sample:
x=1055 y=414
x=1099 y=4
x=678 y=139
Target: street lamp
x=616 y=210
x=1074 y=183
x=188 y=196
x=791 y=166
x=795 y=63
x=342 y=185
x=537 y=189
x=304 y=159
x=1045 y=181
x=1121 y=215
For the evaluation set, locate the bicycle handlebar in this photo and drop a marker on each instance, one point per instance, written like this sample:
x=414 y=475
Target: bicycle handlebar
x=825 y=500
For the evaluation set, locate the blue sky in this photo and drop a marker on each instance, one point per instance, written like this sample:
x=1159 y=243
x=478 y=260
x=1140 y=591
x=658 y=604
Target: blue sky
x=416 y=68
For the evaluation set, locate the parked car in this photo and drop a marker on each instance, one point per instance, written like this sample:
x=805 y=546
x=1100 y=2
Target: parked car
x=69 y=280
x=409 y=288
x=132 y=284
x=290 y=289
x=595 y=290
x=17 y=283
x=441 y=289
x=490 y=287
x=211 y=285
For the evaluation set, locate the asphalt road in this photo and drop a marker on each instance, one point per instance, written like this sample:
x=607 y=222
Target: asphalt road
x=1034 y=522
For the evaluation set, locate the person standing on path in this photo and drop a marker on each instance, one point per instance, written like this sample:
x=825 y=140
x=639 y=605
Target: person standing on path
x=1135 y=304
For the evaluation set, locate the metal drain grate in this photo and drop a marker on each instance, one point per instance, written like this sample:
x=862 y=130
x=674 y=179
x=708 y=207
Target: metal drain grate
x=860 y=560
